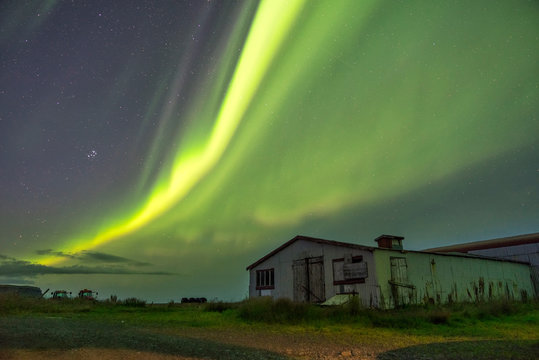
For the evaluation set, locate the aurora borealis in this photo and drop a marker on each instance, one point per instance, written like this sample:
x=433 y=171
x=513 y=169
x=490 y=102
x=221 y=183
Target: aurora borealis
x=155 y=149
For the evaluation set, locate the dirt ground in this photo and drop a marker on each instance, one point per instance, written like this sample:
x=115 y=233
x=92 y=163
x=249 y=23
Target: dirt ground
x=65 y=338
x=86 y=354
x=307 y=345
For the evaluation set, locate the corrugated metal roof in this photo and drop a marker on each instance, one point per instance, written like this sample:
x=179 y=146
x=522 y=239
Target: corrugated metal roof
x=371 y=248
x=488 y=244
x=311 y=239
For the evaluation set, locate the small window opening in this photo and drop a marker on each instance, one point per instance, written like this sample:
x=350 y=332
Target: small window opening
x=265 y=279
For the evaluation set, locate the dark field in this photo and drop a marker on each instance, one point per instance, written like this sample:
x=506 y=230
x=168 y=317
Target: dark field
x=44 y=329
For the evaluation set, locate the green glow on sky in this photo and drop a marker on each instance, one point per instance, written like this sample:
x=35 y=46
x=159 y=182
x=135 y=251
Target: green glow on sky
x=332 y=106
x=359 y=112
x=190 y=167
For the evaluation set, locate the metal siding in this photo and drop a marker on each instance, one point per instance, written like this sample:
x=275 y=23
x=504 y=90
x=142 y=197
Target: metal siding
x=367 y=291
x=526 y=252
x=443 y=279
x=449 y=279
x=508 y=250
x=283 y=262
x=534 y=259
x=531 y=250
x=535 y=279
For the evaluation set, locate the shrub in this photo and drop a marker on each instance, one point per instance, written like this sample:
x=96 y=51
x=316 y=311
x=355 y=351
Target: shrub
x=405 y=318
x=265 y=309
x=439 y=317
x=503 y=308
x=493 y=309
x=353 y=307
x=218 y=306
x=256 y=309
x=285 y=310
x=134 y=302
x=13 y=302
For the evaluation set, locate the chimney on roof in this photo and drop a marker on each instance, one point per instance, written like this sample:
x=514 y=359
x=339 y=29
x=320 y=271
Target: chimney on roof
x=389 y=242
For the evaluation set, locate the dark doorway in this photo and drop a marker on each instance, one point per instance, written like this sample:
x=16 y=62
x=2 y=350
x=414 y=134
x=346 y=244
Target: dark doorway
x=402 y=291
x=309 y=284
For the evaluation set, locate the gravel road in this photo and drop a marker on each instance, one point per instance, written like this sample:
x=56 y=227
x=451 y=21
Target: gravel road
x=70 y=334
x=68 y=338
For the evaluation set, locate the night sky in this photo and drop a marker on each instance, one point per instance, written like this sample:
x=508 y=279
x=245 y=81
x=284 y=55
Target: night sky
x=156 y=148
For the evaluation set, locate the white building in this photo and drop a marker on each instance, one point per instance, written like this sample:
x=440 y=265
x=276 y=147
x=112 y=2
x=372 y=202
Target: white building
x=307 y=269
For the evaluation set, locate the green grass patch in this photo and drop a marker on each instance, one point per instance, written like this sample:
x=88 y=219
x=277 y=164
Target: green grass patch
x=458 y=329
x=494 y=320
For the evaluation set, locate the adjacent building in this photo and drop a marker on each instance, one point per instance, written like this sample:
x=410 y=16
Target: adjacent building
x=27 y=291
x=308 y=269
x=521 y=247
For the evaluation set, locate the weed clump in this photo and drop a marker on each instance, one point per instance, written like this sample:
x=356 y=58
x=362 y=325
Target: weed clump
x=219 y=306
x=440 y=316
x=14 y=303
x=18 y=304
x=265 y=309
x=134 y=302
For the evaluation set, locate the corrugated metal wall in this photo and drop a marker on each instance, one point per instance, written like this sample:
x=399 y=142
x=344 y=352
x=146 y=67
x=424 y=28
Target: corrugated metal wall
x=306 y=271
x=300 y=268
x=527 y=252
x=431 y=278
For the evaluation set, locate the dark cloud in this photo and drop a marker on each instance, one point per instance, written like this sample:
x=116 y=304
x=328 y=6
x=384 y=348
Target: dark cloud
x=14 y=267
x=6 y=258
x=94 y=256
x=49 y=252
x=107 y=258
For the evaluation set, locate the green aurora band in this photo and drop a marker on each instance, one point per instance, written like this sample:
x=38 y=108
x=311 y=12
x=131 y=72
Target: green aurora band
x=332 y=105
x=190 y=167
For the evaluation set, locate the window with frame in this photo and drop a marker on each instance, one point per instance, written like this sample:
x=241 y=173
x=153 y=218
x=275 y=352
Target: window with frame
x=265 y=279
x=349 y=270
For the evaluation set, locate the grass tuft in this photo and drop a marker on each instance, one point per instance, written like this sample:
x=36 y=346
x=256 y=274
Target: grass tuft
x=440 y=316
x=265 y=309
x=219 y=306
x=454 y=318
x=134 y=302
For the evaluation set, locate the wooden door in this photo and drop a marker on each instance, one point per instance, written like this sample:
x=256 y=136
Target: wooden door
x=300 y=280
x=317 y=288
x=401 y=289
x=309 y=284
